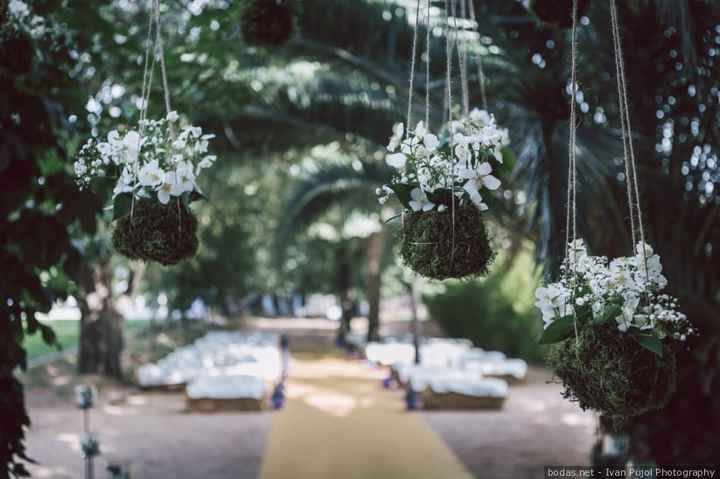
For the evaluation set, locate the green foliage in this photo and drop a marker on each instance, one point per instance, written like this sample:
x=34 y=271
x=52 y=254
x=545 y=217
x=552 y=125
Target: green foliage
x=267 y=23
x=495 y=313
x=39 y=204
x=451 y=244
x=607 y=372
x=558 y=12
x=166 y=234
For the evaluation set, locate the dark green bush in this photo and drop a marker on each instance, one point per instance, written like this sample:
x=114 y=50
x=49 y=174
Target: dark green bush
x=156 y=232
x=482 y=312
x=558 y=12
x=267 y=23
x=438 y=246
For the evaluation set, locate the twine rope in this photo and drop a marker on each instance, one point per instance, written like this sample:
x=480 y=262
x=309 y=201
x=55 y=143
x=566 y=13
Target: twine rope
x=478 y=57
x=427 y=66
x=571 y=209
x=412 y=67
x=631 y=181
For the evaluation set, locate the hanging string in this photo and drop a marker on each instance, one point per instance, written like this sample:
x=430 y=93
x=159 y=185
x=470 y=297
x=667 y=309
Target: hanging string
x=633 y=190
x=571 y=224
x=478 y=58
x=412 y=67
x=161 y=54
x=571 y=213
x=449 y=55
x=462 y=56
x=149 y=67
x=427 y=66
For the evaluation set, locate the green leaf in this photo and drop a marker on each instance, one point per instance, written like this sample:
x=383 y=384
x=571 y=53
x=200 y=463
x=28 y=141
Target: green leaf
x=403 y=193
x=609 y=313
x=559 y=330
x=122 y=205
x=196 y=196
x=650 y=342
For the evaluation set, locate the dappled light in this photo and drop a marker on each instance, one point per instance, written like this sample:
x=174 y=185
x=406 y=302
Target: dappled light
x=388 y=239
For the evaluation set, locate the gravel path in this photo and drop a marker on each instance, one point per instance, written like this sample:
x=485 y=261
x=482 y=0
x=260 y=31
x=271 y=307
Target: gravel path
x=154 y=434
x=161 y=441
x=537 y=427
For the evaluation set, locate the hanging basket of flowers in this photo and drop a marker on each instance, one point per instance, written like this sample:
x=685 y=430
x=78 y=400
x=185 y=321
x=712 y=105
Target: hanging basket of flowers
x=156 y=177
x=439 y=181
x=268 y=23
x=154 y=170
x=615 y=332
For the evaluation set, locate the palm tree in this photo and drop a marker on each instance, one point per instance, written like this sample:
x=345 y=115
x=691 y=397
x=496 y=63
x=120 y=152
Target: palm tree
x=348 y=187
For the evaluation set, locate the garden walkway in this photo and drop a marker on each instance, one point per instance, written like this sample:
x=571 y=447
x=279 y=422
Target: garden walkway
x=339 y=422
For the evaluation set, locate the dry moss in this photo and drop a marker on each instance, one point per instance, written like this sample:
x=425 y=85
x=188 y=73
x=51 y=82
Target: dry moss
x=611 y=373
x=155 y=232
x=436 y=248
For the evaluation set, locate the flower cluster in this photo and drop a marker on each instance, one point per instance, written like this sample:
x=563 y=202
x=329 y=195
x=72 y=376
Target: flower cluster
x=161 y=160
x=431 y=169
x=626 y=290
x=21 y=18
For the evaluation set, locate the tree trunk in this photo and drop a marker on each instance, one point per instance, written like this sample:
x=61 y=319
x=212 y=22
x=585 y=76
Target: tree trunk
x=416 y=333
x=101 y=329
x=375 y=250
x=344 y=285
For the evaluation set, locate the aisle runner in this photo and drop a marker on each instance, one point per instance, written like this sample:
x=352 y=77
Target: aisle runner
x=339 y=423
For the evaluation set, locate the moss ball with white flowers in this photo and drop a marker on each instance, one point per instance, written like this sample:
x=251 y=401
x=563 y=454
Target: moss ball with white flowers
x=267 y=23
x=609 y=373
x=443 y=245
x=558 y=12
x=156 y=232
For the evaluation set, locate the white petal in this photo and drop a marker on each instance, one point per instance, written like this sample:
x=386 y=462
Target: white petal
x=163 y=196
x=484 y=169
x=491 y=183
x=431 y=142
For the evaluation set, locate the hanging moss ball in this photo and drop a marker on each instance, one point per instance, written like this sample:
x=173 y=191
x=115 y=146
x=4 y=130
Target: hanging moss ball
x=429 y=247
x=558 y=12
x=155 y=232
x=267 y=23
x=610 y=372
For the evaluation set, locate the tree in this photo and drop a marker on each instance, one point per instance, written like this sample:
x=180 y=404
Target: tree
x=349 y=187
x=39 y=203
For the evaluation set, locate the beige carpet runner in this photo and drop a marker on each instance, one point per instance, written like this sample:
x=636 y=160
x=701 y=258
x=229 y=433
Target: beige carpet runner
x=339 y=423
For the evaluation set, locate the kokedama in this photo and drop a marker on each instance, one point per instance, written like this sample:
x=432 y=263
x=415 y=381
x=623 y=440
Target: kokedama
x=438 y=182
x=157 y=232
x=616 y=332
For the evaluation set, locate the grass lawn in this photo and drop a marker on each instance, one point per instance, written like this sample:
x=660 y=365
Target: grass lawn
x=68 y=332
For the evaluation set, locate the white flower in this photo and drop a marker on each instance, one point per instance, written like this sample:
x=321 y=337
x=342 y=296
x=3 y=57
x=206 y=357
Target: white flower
x=131 y=142
x=151 y=174
x=471 y=187
x=207 y=162
x=114 y=138
x=396 y=160
x=179 y=143
x=420 y=130
x=431 y=142
x=18 y=9
x=173 y=116
x=397 y=136
x=552 y=301
x=164 y=192
x=419 y=201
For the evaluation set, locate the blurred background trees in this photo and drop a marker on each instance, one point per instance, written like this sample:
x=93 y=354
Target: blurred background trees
x=300 y=136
